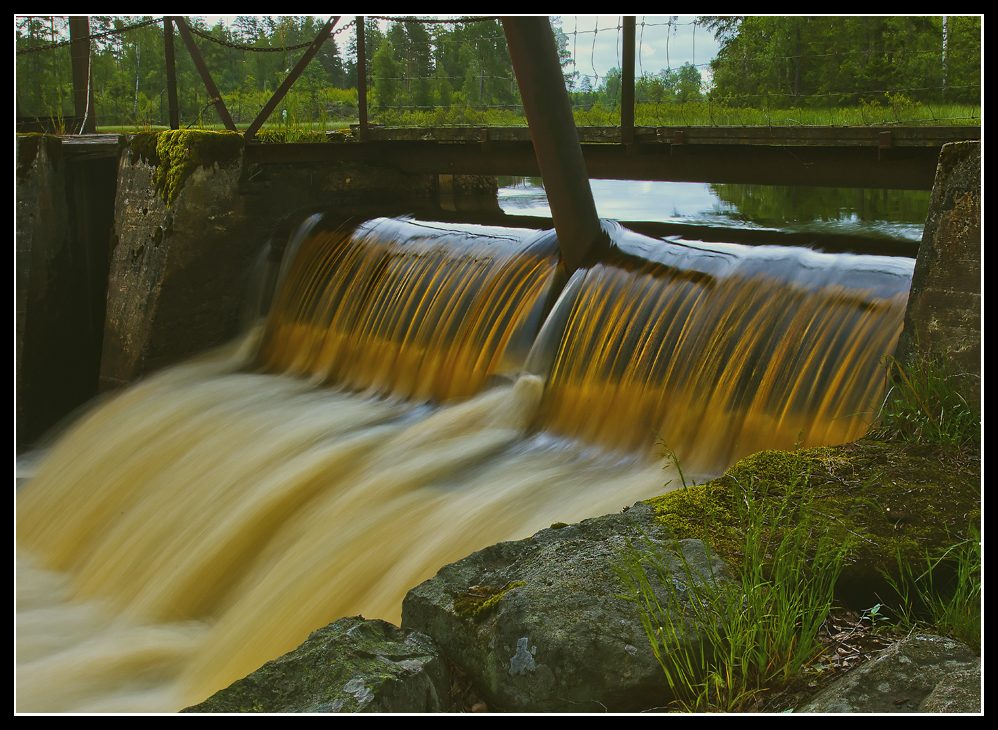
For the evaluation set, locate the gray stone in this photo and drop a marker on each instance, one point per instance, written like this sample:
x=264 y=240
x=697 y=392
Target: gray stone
x=922 y=673
x=945 y=306
x=352 y=665
x=555 y=633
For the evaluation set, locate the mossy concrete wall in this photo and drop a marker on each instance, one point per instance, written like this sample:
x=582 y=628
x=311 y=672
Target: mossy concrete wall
x=181 y=269
x=944 y=307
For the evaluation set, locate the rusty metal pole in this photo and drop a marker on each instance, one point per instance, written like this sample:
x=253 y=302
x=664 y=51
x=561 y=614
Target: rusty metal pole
x=548 y=109
x=361 y=80
x=292 y=76
x=171 y=73
x=627 y=83
x=213 y=92
x=83 y=89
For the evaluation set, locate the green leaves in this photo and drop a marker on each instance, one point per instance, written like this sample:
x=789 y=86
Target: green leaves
x=783 y=61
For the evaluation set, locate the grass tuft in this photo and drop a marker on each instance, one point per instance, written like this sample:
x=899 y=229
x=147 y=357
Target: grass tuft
x=757 y=633
x=927 y=403
x=947 y=594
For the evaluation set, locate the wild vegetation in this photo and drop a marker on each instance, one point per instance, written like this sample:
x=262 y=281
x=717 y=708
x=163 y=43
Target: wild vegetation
x=759 y=630
x=896 y=515
x=770 y=70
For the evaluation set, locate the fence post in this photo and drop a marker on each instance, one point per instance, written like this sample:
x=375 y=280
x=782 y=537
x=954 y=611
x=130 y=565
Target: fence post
x=361 y=80
x=83 y=87
x=171 y=73
x=627 y=83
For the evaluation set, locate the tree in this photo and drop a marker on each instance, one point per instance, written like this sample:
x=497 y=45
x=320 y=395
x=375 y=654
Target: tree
x=825 y=61
x=385 y=76
x=608 y=92
x=688 y=83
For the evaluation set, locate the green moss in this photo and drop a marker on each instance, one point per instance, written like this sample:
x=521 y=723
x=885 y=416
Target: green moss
x=143 y=147
x=479 y=601
x=178 y=153
x=878 y=498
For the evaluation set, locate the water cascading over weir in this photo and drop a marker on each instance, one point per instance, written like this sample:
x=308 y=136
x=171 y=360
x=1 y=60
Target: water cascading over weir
x=418 y=390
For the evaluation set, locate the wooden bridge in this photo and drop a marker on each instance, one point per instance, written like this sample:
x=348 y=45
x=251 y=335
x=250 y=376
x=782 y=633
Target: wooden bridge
x=897 y=157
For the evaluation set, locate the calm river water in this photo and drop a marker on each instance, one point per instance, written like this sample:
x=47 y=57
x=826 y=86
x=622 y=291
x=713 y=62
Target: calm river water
x=878 y=214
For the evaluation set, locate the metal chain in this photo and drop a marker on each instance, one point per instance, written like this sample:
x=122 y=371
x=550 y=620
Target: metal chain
x=91 y=37
x=202 y=34
x=257 y=49
x=413 y=19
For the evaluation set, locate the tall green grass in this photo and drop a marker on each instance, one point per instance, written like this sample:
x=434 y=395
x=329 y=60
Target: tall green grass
x=757 y=632
x=928 y=403
x=896 y=109
x=947 y=593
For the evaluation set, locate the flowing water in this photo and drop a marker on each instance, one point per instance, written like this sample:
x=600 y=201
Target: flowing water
x=419 y=391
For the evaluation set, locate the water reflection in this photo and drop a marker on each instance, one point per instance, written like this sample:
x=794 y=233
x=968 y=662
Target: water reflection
x=897 y=214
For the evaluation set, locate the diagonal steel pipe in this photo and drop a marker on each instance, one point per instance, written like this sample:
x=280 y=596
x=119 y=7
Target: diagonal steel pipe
x=289 y=81
x=548 y=109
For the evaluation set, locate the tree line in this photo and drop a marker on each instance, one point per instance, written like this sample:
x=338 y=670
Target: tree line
x=128 y=69
x=410 y=65
x=763 y=62
x=789 y=61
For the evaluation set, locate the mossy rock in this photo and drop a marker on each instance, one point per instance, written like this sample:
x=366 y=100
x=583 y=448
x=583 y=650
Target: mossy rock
x=178 y=153
x=882 y=500
x=479 y=601
x=351 y=665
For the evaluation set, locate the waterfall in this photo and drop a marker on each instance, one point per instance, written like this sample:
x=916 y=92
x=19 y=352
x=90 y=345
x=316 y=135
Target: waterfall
x=419 y=390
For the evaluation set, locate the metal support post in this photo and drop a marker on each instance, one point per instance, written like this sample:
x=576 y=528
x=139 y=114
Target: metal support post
x=83 y=89
x=213 y=91
x=171 y=73
x=627 y=83
x=361 y=79
x=548 y=109
x=289 y=81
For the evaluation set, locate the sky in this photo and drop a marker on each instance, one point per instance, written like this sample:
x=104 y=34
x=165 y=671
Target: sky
x=659 y=45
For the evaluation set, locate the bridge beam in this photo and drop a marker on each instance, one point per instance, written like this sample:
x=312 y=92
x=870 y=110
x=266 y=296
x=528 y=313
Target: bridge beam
x=548 y=109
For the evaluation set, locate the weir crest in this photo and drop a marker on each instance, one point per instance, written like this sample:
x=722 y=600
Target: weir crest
x=419 y=390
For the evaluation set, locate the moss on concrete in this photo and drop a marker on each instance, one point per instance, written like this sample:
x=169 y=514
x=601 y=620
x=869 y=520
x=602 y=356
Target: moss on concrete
x=178 y=153
x=879 y=498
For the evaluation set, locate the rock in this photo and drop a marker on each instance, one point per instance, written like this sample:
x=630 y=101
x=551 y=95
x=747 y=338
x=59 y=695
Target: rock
x=351 y=665
x=922 y=673
x=540 y=624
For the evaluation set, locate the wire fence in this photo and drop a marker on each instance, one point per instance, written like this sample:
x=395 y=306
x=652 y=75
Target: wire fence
x=439 y=72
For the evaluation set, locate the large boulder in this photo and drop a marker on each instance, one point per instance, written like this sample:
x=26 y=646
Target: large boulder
x=351 y=665
x=922 y=673
x=541 y=625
